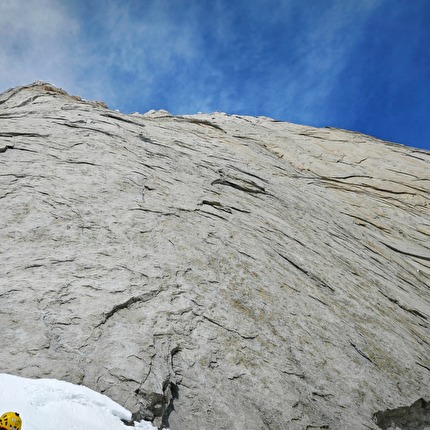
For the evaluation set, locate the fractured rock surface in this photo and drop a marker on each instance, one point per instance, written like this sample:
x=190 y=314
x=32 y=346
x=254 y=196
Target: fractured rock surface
x=414 y=417
x=213 y=271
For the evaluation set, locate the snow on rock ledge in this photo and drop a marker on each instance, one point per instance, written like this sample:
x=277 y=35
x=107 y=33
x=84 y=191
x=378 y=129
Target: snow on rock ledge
x=49 y=404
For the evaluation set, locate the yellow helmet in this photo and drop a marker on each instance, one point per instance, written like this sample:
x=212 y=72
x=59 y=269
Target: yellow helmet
x=10 y=421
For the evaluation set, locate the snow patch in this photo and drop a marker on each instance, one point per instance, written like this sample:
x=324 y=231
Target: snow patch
x=49 y=404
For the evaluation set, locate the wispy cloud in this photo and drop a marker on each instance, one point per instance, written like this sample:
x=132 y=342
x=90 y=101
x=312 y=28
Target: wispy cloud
x=300 y=79
x=288 y=59
x=139 y=47
x=265 y=55
x=38 y=42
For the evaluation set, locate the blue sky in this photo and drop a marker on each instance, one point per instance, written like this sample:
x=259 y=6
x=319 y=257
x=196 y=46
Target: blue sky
x=361 y=65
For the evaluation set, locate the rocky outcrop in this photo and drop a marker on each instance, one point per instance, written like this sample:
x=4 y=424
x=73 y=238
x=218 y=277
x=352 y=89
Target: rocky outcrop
x=414 y=417
x=213 y=271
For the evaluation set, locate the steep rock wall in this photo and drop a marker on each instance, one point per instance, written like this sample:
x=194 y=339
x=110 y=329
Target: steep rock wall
x=213 y=271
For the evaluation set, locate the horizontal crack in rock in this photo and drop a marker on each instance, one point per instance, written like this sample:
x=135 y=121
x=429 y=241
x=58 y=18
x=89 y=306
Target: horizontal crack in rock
x=132 y=300
x=242 y=185
x=405 y=308
x=252 y=336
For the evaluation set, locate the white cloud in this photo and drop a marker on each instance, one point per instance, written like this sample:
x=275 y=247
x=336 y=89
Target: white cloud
x=43 y=39
x=136 y=50
x=38 y=39
x=153 y=47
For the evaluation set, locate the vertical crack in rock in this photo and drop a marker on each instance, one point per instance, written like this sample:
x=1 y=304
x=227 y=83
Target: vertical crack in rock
x=413 y=417
x=171 y=393
x=157 y=406
x=171 y=390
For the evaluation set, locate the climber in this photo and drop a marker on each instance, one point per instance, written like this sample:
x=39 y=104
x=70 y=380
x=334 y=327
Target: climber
x=10 y=421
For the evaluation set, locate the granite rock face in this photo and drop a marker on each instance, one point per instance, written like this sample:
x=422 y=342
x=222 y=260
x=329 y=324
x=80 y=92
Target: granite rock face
x=215 y=271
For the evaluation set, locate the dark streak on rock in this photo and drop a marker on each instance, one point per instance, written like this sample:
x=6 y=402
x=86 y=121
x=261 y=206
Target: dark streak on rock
x=202 y=122
x=299 y=375
x=212 y=214
x=5 y=148
x=319 y=281
x=253 y=336
x=242 y=185
x=83 y=162
x=72 y=125
x=361 y=353
x=405 y=308
x=422 y=365
x=19 y=134
x=216 y=205
x=121 y=118
x=420 y=257
x=247 y=173
x=365 y=221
